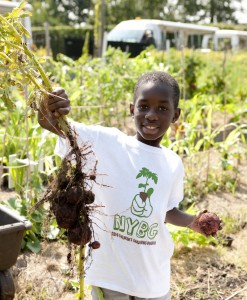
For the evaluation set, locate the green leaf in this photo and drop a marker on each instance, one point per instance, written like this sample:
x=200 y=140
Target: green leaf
x=199 y=145
x=142 y=185
x=139 y=175
x=24 y=30
x=8 y=103
x=100 y=293
x=4 y=56
x=22 y=4
x=154 y=177
x=13 y=203
x=34 y=246
x=144 y=172
x=150 y=192
x=75 y=95
x=25 y=14
x=37 y=217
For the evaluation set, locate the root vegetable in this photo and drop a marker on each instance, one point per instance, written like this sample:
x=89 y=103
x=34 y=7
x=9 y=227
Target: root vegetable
x=73 y=194
x=209 y=223
x=92 y=176
x=66 y=215
x=80 y=234
x=95 y=245
x=89 y=197
x=143 y=196
x=62 y=180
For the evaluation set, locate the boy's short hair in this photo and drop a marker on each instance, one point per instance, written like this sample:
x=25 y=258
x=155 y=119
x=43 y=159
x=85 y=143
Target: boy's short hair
x=159 y=78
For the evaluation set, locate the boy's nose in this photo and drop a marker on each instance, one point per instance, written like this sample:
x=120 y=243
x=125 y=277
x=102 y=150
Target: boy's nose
x=152 y=116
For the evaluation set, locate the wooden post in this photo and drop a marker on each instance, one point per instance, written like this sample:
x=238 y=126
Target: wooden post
x=12 y=159
x=99 y=27
x=47 y=39
x=102 y=28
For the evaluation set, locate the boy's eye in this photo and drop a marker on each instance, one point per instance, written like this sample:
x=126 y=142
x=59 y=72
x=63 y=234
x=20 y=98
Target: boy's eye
x=163 y=108
x=142 y=107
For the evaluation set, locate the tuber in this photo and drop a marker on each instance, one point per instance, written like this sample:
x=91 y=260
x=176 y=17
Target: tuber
x=95 y=245
x=209 y=223
x=80 y=234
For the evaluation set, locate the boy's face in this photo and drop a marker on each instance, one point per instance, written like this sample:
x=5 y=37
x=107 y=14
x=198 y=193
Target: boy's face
x=153 y=112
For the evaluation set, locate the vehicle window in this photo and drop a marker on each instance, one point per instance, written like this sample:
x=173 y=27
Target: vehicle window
x=131 y=36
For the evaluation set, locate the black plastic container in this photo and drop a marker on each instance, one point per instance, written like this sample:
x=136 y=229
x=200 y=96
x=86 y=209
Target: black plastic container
x=12 y=228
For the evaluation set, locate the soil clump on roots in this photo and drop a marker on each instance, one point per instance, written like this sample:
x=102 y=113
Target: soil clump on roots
x=70 y=196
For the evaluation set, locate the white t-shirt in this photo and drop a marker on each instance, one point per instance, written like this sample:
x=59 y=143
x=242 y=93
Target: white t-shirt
x=136 y=185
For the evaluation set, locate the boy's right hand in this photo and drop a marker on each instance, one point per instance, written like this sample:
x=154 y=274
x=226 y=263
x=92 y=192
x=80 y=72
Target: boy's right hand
x=56 y=106
x=58 y=103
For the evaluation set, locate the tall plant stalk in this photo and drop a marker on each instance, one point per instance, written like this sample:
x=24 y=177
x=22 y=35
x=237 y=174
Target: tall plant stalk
x=81 y=271
x=17 y=59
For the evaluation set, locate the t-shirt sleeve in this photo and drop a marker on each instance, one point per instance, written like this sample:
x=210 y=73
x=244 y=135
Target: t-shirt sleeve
x=177 y=192
x=85 y=135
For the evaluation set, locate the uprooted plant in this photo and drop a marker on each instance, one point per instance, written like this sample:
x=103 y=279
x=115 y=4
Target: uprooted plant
x=69 y=194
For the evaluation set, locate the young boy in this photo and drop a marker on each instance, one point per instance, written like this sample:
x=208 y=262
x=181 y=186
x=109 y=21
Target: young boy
x=141 y=190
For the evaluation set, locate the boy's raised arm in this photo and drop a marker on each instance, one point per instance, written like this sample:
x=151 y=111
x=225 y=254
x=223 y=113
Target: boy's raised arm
x=57 y=105
x=179 y=218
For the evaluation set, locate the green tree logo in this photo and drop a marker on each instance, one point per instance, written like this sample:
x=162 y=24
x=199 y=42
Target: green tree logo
x=141 y=205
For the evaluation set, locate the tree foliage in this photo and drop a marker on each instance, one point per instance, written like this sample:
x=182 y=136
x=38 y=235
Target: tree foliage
x=58 y=12
x=77 y=11
x=127 y=9
x=208 y=11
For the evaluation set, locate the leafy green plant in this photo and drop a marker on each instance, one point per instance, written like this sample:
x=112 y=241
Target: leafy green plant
x=193 y=65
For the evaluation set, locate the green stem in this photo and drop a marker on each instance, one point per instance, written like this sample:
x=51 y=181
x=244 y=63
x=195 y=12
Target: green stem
x=81 y=271
x=62 y=121
x=35 y=82
x=39 y=67
x=14 y=31
x=28 y=53
x=13 y=45
x=146 y=185
x=22 y=47
x=3 y=55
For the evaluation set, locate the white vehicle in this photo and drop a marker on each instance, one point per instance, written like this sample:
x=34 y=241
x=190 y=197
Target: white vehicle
x=237 y=39
x=233 y=39
x=128 y=35
x=7 y=6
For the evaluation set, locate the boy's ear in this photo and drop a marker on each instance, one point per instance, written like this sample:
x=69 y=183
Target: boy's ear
x=132 y=108
x=176 y=114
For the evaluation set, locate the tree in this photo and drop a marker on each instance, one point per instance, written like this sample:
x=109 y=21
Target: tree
x=221 y=11
x=77 y=11
x=118 y=11
x=207 y=11
x=60 y=11
x=44 y=11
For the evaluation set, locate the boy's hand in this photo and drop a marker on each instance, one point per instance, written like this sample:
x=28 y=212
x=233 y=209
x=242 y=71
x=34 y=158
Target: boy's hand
x=207 y=229
x=57 y=105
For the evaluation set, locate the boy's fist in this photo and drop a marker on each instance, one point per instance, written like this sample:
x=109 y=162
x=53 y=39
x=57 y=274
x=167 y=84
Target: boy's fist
x=58 y=103
x=206 y=223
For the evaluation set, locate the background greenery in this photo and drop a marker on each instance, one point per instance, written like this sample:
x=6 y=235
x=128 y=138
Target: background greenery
x=75 y=12
x=210 y=136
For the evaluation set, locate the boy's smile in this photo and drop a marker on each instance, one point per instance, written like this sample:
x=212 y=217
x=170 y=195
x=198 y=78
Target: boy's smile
x=153 y=112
